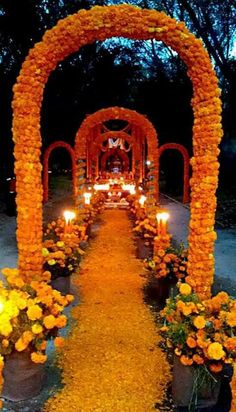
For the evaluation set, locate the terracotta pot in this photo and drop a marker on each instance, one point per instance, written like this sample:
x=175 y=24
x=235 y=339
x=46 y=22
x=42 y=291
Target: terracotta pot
x=62 y=284
x=144 y=250
x=182 y=387
x=23 y=379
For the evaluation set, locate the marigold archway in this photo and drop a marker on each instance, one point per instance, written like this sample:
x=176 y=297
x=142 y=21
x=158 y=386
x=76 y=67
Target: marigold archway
x=180 y=148
x=46 y=156
x=85 y=137
x=120 y=153
x=71 y=33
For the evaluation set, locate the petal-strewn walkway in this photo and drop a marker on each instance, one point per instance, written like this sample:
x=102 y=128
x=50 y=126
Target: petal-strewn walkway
x=111 y=362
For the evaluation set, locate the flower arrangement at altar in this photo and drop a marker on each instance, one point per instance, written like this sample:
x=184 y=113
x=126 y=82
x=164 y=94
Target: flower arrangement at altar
x=170 y=263
x=30 y=314
x=201 y=332
x=61 y=258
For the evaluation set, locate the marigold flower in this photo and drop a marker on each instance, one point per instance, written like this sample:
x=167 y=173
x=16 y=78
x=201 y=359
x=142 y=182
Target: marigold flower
x=198 y=359
x=216 y=367
x=191 y=342
x=185 y=360
x=199 y=322
x=215 y=351
x=38 y=357
x=49 y=322
x=34 y=312
x=37 y=328
x=52 y=262
x=185 y=289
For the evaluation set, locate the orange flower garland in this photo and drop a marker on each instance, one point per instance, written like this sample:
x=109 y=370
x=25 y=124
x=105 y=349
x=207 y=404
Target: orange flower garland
x=186 y=159
x=68 y=36
x=46 y=156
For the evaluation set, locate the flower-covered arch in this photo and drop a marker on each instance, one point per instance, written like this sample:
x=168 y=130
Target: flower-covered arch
x=120 y=153
x=83 y=140
x=71 y=33
x=186 y=158
x=46 y=156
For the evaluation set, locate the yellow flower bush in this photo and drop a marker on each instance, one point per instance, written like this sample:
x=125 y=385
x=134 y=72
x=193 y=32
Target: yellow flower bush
x=30 y=314
x=201 y=332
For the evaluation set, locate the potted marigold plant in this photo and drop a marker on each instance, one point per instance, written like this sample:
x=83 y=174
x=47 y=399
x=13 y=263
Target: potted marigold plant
x=202 y=335
x=165 y=269
x=61 y=259
x=146 y=231
x=30 y=314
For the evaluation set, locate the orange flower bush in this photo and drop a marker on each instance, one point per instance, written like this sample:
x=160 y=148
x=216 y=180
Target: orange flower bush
x=67 y=37
x=60 y=258
x=170 y=263
x=201 y=332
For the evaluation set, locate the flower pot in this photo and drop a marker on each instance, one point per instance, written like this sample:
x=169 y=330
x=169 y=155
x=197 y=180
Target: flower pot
x=23 y=379
x=62 y=284
x=182 y=387
x=163 y=288
x=144 y=249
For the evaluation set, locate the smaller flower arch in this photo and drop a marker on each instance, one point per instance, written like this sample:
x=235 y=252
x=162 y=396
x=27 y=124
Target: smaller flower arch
x=180 y=148
x=46 y=156
x=120 y=153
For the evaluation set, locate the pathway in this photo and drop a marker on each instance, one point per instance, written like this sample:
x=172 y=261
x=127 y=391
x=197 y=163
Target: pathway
x=111 y=361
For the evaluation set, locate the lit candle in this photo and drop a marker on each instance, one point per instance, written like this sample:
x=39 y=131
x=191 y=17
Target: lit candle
x=87 y=197
x=162 y=218
x=68 y=216
x=142 y=200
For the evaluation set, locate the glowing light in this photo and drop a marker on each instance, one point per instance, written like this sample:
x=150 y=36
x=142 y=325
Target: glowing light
x=162 y=218
x=142 y=200
x=148 y=162
x=87 y=197
x=102 y=187
x=128 y=187
x=69 y=216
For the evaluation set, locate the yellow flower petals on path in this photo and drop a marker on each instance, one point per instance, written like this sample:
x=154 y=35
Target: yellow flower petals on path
x=111 y=361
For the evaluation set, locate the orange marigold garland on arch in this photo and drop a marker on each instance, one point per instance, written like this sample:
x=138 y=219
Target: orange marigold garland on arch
x=133 y=118
x=68 y=36
x=180 y=148
x=46 y=156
